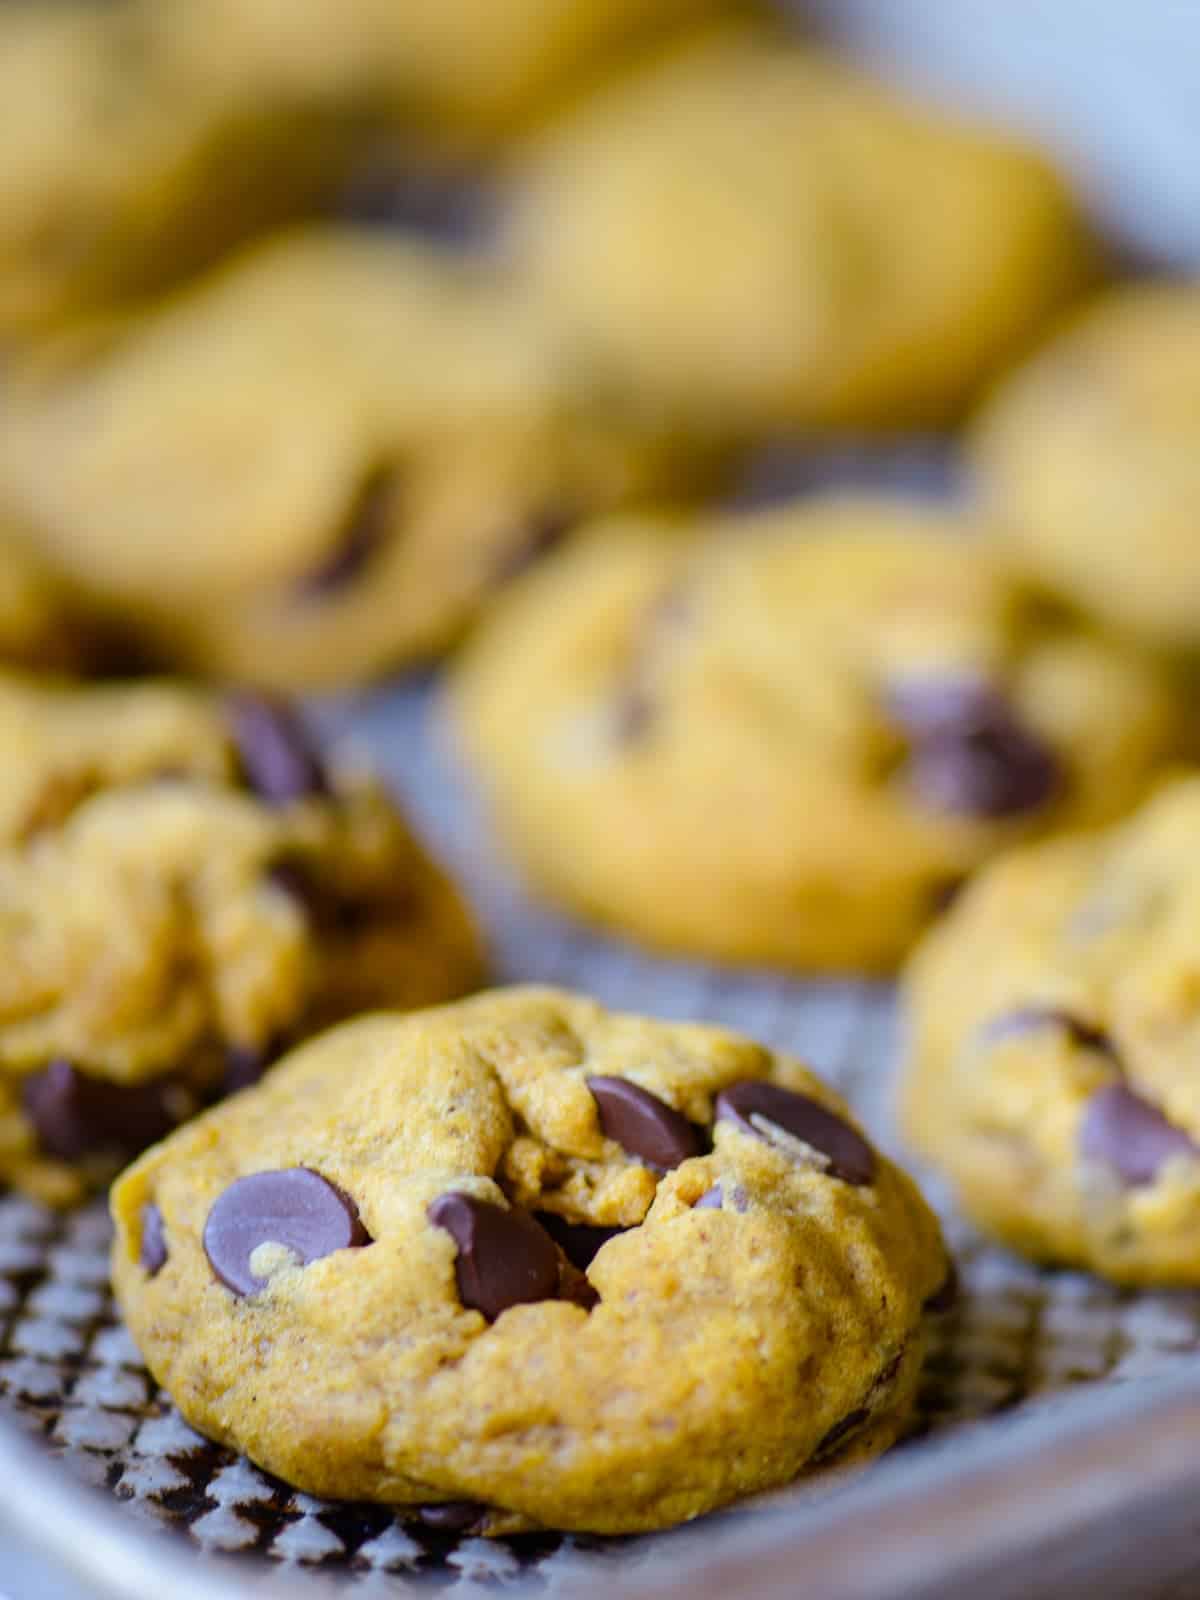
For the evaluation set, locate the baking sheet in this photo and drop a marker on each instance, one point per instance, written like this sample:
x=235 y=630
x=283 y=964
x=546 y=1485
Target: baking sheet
x=71 y=1378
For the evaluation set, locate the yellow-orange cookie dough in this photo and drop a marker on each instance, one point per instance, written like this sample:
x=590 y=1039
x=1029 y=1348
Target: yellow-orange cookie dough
x=350 y=1272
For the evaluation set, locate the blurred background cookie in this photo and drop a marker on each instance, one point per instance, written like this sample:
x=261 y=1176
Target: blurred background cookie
x=311 y=466
x=1088 y=463
x=750 y=235
x=785 y=737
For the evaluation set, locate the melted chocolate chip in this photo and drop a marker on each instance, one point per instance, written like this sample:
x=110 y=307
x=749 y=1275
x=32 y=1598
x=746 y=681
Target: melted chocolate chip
x=504 y=1258
x=75 y=1115
x=365 y=532
x=636 y=708
x=279 y=761
x=643 y=1124
x=541 y=536
x=452 y=1516
x=578 y=1241
x=153 y=1251
x=714 y=1199
x=1032 y=1019
x=1127 y=1133
x=457 y=210
x=947 y=1295
x=756 y=1106
x=841 y=1431
x=294 y=1207
x=244 y=1067
x=971 y=755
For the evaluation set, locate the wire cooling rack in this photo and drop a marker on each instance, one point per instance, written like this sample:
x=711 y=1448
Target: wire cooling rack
x=71 y=1378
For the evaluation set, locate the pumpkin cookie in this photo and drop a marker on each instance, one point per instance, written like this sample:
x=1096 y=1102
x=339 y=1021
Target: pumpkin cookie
x=540 y=1266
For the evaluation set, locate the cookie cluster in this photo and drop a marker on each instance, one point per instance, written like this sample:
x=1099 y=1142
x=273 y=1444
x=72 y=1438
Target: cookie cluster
x=339 y=335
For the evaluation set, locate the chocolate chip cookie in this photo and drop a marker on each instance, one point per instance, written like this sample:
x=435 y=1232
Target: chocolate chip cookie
x=752 y=236
x=521 y=1262
x=786 y=736
x=186 y=888
x=1054 y=1027
x=1088 y=463
x=312 y=465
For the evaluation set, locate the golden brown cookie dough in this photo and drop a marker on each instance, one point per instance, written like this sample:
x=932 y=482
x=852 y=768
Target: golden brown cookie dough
x=312 y=465
x=750 y=235
x=347 y=1273
x=186 y=888
x=1055 y=1020
x=1088 y=462
x=784 y=737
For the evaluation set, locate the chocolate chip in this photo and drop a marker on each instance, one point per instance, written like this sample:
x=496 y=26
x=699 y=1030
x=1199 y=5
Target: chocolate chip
x=757 y=1107
x=244 y=1067
x=643 y=1124
x=578 y=1241
x=458 y=210
x=365 y=531
x=153 y=1252
x=841 y=1431
x=504 y=1258
x=714 y=1199
x=633 y=716
x=1032 y=1019
x=452 y=1516
x=971 y=755
x=75 y=1115
x=636 y=708
x=947 y=1295
x=1127 y=1133
x=278 y=760
x=294 y=1207
x=542 y=535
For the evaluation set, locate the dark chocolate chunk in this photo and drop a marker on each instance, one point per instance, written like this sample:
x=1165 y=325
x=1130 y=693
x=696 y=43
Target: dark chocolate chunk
x=756 y=1106
x=1127 y=1133
x=279 y=761
x=295 y=1207
x=363 y=535
x=578 y=1241
x=1031 y=1019
x=504 y=1258
x=452 y=1516
x=714 y=1199
x=971 y=755
x=643 y=1124
x=153 y=1251
x=75 y=1115
x=946 y=1295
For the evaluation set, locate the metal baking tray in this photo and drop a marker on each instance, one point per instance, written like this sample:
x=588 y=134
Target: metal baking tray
x=1057 y=1448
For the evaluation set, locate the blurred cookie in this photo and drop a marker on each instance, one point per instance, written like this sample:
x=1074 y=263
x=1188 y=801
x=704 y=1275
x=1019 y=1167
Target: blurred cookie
x=125 y=163
x=786 y=737
x=751 y=235
x=1054 y=1019
x=523 y=1219
x=312 y=465
x=186 y=887
x=1088 y=461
